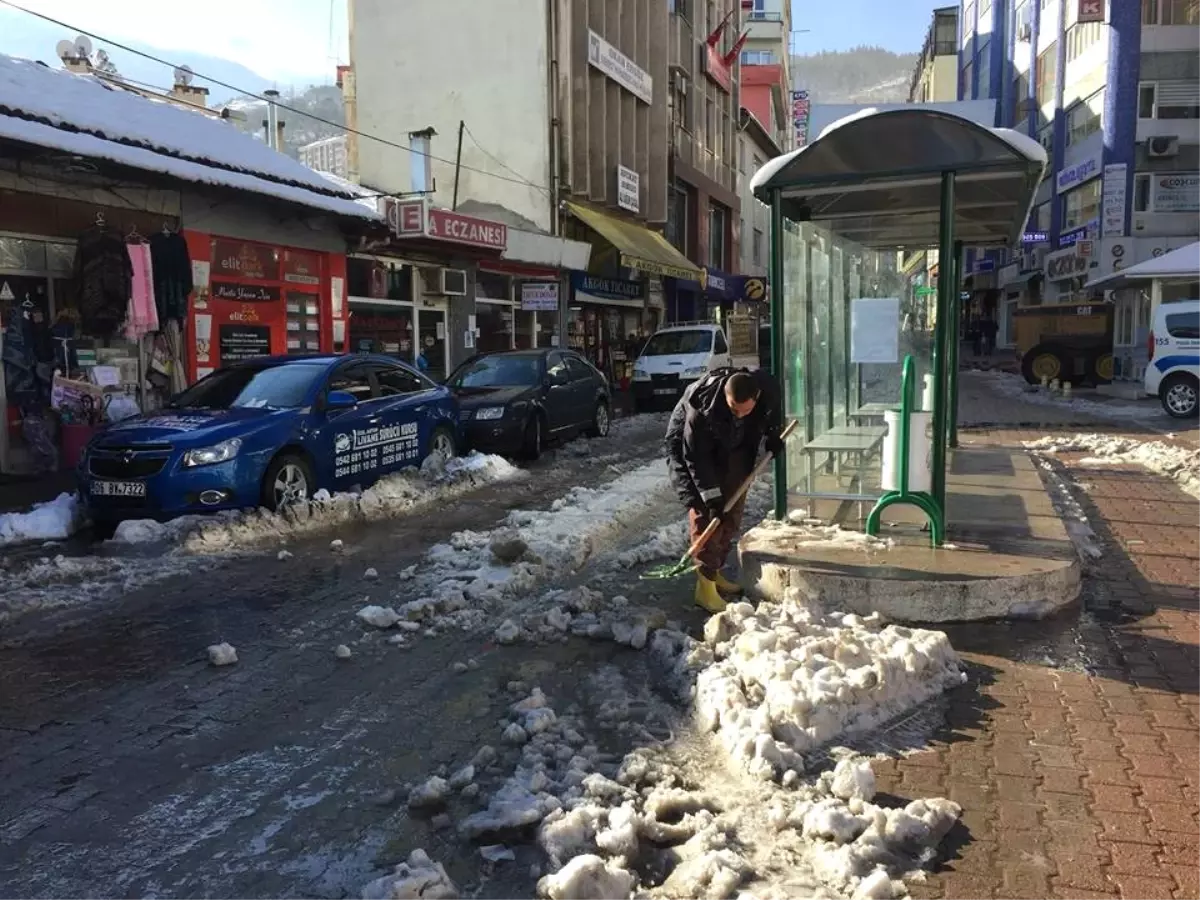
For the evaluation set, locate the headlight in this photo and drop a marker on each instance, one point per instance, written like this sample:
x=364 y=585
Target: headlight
x=640 y=374
x=695 y=371
x=489 y=412
x=217 y=453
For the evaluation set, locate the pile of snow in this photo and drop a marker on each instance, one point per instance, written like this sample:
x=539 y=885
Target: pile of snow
x=800 y=531
x=53 y=520
x=404 y=492
x=1180 y=464
x=419 y=877
x=485 y=567
x=784 y=679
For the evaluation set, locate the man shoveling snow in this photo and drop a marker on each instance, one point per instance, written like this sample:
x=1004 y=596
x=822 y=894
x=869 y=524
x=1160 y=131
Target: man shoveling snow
x=712 y=443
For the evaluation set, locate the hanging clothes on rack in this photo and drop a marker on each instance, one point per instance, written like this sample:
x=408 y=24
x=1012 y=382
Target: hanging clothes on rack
x=142 y=318
x=172 y=275
x=103 y=278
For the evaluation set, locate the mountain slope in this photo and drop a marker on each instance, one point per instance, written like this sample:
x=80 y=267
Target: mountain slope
x=860 y=75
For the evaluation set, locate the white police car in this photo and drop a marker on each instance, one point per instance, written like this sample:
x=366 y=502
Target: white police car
x=1173 y=373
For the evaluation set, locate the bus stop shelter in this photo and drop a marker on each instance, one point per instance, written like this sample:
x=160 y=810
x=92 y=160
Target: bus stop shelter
x=848 y=329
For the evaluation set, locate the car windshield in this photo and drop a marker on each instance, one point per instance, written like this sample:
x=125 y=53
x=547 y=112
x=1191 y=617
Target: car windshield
x=499 y=371
x=270 y=387
x=670 y=343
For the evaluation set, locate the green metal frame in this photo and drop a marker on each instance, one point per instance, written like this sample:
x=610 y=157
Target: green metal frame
x=777 y=348
x=934 y=511
x=955 y=345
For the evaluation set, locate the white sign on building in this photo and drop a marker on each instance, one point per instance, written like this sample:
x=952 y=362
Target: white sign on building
x=1173 y=192
x=620 y=68
x=539 y=297
x=1113 y=199
x=628 y=189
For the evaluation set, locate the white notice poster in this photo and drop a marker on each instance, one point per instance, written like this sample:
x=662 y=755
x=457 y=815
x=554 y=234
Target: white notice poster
x=875 y=330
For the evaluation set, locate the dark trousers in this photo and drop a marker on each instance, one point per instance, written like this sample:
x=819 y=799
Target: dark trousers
x=713 y=554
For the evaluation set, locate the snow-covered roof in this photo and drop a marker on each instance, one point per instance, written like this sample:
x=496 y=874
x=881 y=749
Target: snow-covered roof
x=82 y=115
x=874 y=177
x=1180 y=264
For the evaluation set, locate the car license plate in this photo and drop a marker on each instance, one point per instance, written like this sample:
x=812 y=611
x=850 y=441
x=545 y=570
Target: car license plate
x=664 y=390
x=118 y=489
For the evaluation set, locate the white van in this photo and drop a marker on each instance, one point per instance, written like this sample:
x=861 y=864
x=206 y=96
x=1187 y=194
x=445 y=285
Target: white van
x=675 y=357
x=1173 y=373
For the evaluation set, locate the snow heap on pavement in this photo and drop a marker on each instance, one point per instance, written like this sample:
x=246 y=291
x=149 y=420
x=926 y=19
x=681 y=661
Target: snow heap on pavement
x=419 y=877
x=1180 y=464
x=404 y=492
x=781 y=680
x=53 y=520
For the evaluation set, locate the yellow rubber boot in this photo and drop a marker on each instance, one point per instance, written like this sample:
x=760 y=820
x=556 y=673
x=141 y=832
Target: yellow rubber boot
x=725 y=586
x=707 y=597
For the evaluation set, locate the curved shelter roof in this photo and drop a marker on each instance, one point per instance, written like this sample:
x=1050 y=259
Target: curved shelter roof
x=875 y=178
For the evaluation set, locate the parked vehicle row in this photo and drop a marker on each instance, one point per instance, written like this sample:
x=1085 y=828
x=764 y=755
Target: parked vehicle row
x=274 y=430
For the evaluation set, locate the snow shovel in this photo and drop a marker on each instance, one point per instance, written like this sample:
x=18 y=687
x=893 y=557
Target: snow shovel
x=685 y=564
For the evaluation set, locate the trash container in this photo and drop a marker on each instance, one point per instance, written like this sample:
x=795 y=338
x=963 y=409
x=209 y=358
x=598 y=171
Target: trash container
x=920 y=451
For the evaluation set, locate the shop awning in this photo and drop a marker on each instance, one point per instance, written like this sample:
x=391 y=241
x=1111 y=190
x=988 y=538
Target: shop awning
x=640 y=248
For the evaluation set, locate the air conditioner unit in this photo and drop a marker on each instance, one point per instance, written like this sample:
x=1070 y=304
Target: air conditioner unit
x=445 y=282
x=1162 y=147
x=1024 y=31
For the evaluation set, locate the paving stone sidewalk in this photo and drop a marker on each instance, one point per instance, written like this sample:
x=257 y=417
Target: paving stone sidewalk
x=1074 y=748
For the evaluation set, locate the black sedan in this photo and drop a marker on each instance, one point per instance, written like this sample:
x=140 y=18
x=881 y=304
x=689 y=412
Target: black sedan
x=514 y=402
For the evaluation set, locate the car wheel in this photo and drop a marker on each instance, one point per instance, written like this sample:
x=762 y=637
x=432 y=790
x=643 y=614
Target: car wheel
x=289 y=480
x=442 y=443
x=601 y=420
x=534 y=437
x=1180 y=395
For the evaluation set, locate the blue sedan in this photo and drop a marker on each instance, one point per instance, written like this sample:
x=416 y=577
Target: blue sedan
x=269 y=431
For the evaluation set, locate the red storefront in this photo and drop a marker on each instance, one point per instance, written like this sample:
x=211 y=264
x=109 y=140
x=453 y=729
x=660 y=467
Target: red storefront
x=253 y=299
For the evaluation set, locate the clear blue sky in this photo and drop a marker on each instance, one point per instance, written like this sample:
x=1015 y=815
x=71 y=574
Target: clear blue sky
x=897 y=25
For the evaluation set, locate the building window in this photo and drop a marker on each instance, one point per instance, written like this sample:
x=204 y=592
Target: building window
x=985 y=10
x=1024 y=19
x=759 y=58
x=756 y=247
x=716 y=236
x=1045 y=137
x=1081 y=205
x=1171 y=12
x=1044 y=75
x=742 y=156
x=983 y=65
x=1084 y=118
x=1168 y=100
x=1141 y=192
x=945 y=36
x=968 y=19
x=1082 y=36
x=1041 y=217
x=710 y=126
x=964 y=85
x=1021 y=93
x=678 y=7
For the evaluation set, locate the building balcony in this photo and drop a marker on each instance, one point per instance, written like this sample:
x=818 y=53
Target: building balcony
x=765 y=29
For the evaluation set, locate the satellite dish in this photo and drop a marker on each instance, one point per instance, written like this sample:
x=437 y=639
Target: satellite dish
x=83 y=46
x=184 y=75
x=65 y=49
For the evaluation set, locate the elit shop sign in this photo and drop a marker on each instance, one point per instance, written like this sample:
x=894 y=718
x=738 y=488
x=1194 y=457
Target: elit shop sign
x=415 y=218
x=1077 y=174
x=607 y=291
x=1066 y=264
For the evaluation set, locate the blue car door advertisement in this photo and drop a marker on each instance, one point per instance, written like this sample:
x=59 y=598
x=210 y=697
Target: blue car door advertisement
x=375 y=449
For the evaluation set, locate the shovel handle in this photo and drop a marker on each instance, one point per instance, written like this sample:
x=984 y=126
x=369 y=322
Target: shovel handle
x=699 y=543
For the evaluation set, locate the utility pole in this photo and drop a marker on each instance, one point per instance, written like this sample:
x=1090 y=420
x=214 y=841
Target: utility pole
x=458 y=162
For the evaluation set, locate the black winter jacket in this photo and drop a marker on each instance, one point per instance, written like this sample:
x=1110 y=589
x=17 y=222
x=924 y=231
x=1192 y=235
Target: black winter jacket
x=710 y=450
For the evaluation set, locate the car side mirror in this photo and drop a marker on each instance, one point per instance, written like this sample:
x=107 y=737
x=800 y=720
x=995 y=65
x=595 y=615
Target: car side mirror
x=336 y=401
x=556 y=378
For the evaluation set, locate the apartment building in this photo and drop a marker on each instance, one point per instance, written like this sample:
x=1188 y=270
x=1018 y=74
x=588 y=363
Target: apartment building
x=766 y=61
x=327 y=155
x=1111 y=88
x=705 y=40
x=935 y=76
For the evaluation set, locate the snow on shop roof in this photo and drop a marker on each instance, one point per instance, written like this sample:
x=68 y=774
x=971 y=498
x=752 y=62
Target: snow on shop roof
x=874 y=177
x=83 y=115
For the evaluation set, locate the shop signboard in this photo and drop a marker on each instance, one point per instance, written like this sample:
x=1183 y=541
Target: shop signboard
x=1090 y=11
x=628 y=189
x=539 y=297
x=1035 y=237
x=244 y=293
x=450 y=226
x=301 y=268
x=620 y=68
x=750 y=288
x=244 y=261
x=800 y=110
x=238 y=342
x=1175 y=192
x=1065 y=264
x=1114 y=196
x=587 y=288
x=1075 y=175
